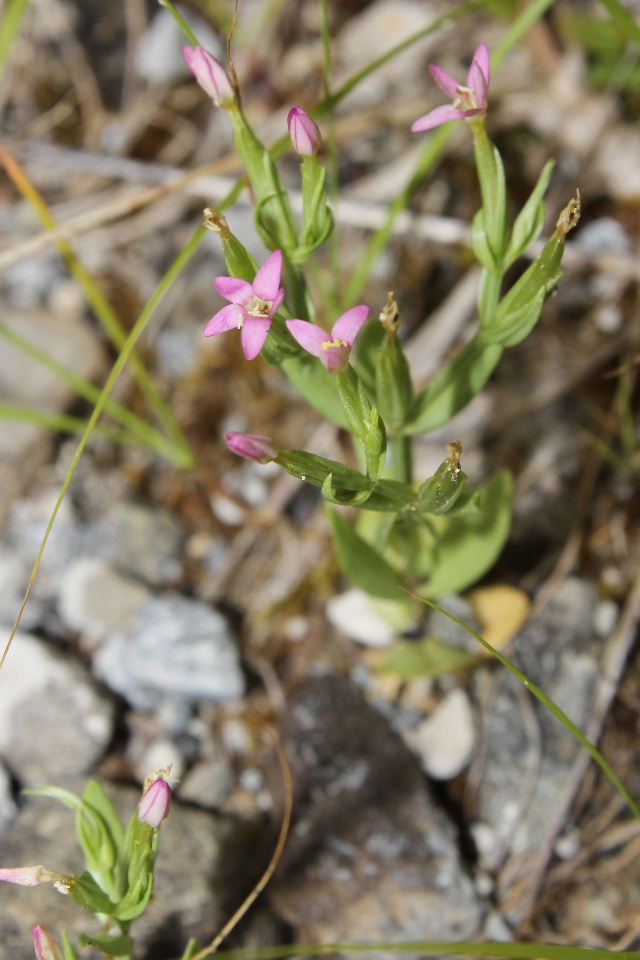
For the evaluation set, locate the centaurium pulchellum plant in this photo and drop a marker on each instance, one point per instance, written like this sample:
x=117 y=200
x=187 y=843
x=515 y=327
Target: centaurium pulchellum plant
x=434 y=535
x=117 y=882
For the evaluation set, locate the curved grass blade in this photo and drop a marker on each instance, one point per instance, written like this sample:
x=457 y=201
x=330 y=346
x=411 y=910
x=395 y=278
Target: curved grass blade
x=138 y=329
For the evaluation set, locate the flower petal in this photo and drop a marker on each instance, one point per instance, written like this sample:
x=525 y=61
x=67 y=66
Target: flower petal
x=348 y=326
x=267 y=280
x=482 y=62
x=277 y=303
x=254 y=334
x=444 y=80
x=234 y=289
x=309 y=336
x=438 y=116
x=225 y=319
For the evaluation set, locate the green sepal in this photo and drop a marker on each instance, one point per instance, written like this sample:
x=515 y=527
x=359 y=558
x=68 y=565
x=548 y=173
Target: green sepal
x=393 y=389
x=69 y=952
x=454 y=386
x=343 y=498
x=240 y=263
x=141 y=847
x=87 y=894
x=466 y=547
x=361 y=563
x=438 y=494
x=530 y=221
x=315 y=469
x=118 y=946
x=317 y=218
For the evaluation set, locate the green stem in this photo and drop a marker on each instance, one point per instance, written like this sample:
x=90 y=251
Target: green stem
x=401 y=459
x=489 y=294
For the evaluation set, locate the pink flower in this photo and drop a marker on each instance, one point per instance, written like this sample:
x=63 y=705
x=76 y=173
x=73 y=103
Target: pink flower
x=210 y=74
x=251 y=446
x=467 y=101
x=45 y=944
x=155 y=803
x=332 y=349
x=30 y=876
x=252 y=307
x=304 y=132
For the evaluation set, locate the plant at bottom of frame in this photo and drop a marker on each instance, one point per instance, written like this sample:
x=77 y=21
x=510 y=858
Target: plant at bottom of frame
x=117 y=882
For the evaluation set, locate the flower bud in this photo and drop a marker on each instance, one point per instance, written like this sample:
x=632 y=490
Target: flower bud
x=30 y=876
x=155 y=803
x=304 y=132
x=251 y=446
x=210 y=74
x=45 y=944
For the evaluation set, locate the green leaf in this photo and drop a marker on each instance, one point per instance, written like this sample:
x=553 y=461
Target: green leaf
x=317 y=386
x=454 y=386
x=466 y=547
x=69 y=952
x=480 y=243
x=513 y=325
x=118 y=946
x=424 y=658
x=315 y=469
x=96 y=797
x=530 y=220
x=361 y=563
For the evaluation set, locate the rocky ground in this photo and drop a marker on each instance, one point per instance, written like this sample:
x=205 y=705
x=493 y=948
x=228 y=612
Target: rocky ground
x=178 y=614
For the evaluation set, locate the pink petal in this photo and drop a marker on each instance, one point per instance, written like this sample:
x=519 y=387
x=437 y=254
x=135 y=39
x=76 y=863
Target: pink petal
x=234 y=289
x=482 y=61
x=267 y=280
x=277 y=303
x=254 y=334
x=348 y=326
x=309 y=336
x=225 y=319
x=335 y=358
x=444 y=80
x=440 y=115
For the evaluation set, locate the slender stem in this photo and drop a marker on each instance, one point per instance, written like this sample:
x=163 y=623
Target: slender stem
x=401 y=459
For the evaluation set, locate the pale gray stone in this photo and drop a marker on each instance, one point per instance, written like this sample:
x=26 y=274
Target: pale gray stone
x=95 y=600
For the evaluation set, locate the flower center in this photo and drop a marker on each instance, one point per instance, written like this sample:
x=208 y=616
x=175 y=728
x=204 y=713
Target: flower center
x=466 y=99
x=258 y=308
x=336 y=342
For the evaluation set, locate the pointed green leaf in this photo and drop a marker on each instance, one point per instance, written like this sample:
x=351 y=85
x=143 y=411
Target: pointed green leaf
x=530 y=220
x=317 y=386
x=424 y=658
x=118 y=946
x=361 y=563
x=454 y=386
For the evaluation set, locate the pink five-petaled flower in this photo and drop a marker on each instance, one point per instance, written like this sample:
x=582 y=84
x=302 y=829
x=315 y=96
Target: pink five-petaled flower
x=252 y=307
x=251 y=446
x=155 y=803
x=468 y=100
x=333 y=348
x=304 y=132
x=45 y=944
x=210 y=74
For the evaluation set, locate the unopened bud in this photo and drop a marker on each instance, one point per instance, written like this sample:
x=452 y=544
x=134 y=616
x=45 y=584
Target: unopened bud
x=30 y=876
x=155 y=803
x=210 y=74
x=45 y=944
x=251 y=446
x=304 y=132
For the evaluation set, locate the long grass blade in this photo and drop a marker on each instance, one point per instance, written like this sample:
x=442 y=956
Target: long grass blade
x=10 y=27
x=61 y=422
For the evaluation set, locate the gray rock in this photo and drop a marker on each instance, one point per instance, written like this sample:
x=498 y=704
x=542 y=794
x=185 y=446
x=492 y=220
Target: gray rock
x=526 y=755
x=95 y=600
x=139 y=541
x=53 y=722
x=370 y=855
x=177 y=649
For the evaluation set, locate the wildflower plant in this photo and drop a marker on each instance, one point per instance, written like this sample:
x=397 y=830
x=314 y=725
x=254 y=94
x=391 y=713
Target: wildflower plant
x=435 y=534
x=117 y=882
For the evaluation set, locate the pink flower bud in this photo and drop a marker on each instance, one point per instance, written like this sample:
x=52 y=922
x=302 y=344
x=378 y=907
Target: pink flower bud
x=304 y=132
x=30 y=876
x=210 y=74
x=251 y=446
x=155 y=803
x=45 y=944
